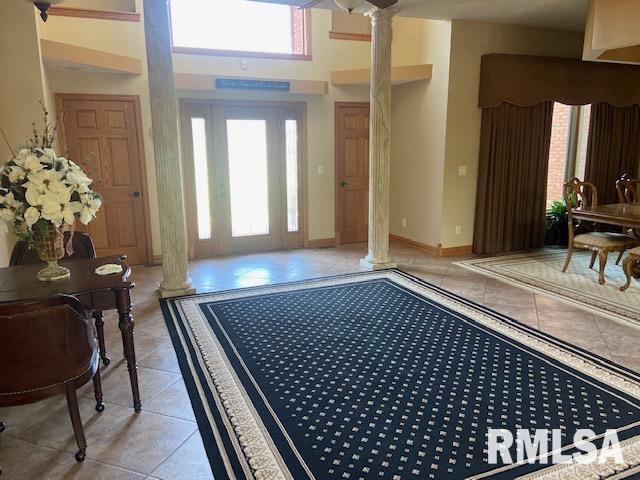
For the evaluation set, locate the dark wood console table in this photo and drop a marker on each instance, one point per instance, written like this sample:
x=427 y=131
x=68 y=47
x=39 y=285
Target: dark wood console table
x=95 y=292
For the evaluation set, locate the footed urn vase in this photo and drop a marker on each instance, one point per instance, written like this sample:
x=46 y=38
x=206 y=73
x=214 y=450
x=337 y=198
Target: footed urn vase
x=48 y=242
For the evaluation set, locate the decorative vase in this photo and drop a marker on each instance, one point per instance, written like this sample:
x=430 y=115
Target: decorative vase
x=48 y=242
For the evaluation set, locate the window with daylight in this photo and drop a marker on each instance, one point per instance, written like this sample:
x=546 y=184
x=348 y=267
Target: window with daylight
x=568 y=148
x=239 y=27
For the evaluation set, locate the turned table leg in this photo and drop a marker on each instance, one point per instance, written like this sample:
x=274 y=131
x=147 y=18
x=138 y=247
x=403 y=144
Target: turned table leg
x=99 y=321
x=123 y=301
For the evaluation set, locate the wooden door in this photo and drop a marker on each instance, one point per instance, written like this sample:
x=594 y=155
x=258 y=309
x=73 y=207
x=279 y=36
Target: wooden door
x=102 y=135
x=352 y=172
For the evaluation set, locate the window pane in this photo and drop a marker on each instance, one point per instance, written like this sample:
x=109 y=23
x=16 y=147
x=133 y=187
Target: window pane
x=583 y=138
x=202 y=177
x=232 y=25
x=291 y=140
x=249 y=190
x=558 y=152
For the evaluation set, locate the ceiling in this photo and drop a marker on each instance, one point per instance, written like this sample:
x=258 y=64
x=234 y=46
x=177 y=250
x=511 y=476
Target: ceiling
x=561 y=14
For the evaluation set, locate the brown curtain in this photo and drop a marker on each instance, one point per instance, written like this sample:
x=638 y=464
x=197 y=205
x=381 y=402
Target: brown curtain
x=512 y=177
x=613 y=148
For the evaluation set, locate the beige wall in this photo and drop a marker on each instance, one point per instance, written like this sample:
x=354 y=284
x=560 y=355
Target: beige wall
x=418 y=116
x=22 y=85
x=128 y=38
x=125 y=38
x=469 y=41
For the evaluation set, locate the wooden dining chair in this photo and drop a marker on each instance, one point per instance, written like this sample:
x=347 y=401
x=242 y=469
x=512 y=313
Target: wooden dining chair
x=584 y=194
x=627 y=189
x=82 y=248
x=48 y=348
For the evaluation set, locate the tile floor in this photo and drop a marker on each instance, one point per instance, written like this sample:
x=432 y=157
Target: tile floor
x=163 y=441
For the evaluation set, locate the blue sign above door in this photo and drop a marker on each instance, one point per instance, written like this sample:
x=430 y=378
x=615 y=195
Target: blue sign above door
x=249 y=84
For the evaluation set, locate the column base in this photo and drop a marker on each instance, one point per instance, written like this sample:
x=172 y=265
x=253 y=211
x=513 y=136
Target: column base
x=371 y=265
x=168 y=291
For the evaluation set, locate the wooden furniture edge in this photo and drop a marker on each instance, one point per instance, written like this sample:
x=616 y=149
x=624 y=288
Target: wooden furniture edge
x=99 y=14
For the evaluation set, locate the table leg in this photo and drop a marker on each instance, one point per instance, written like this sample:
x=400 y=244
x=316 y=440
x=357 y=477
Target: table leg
x=123 y=301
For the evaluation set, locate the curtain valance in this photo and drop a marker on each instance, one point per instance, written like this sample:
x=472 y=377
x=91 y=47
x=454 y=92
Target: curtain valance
x=528 y=80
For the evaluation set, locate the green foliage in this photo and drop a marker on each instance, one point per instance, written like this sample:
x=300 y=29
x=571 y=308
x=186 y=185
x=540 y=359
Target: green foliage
x=558 y=212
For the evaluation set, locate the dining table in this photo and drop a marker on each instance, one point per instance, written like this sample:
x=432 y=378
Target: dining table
x=620 y=214
x=95 y=292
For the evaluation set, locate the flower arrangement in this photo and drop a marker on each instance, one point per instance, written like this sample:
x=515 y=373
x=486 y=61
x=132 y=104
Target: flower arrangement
x=39 y=187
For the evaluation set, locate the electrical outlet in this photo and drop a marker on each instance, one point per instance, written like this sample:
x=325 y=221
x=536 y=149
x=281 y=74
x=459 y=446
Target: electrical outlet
x=244 y=65
x=458 y=229
x=320 y=170
x=404 y=222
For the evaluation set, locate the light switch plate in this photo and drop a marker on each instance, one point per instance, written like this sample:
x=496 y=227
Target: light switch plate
x=320 y=169
x=462 y=170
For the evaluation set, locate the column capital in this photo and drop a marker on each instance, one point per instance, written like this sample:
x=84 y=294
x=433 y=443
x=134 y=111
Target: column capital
x=382 y=14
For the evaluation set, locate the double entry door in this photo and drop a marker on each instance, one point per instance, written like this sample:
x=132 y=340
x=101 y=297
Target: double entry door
x=243 y=177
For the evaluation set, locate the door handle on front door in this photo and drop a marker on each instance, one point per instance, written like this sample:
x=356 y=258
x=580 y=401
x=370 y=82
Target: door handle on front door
x=343 y=183
x=135 y=194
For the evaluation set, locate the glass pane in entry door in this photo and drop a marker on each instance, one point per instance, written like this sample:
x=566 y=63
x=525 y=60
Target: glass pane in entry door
x=248 y=178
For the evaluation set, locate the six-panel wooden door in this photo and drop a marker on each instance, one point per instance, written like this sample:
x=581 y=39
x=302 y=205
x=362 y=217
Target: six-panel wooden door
x=102 y=135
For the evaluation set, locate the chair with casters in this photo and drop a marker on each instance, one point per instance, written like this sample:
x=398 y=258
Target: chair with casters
x=584 y=194
x=82 y=248
x=48 y=348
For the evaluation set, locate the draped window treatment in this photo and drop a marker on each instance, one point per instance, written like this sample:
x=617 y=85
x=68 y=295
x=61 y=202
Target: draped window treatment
x=613 y=149
x=512 y=177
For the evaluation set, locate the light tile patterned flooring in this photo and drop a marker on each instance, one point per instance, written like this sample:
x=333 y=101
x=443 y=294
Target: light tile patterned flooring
x=163 y=441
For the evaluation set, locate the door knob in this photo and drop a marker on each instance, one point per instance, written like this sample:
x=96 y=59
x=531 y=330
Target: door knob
x=343 y=183
x=135 y=194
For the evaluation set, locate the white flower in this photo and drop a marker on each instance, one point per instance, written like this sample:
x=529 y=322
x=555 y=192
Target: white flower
x=30 y=163
x=48 y=155
x=89 y=208
x=34 y=196
x=7 y=215
x=16 y=173
x=44 y=179
x=31 y=216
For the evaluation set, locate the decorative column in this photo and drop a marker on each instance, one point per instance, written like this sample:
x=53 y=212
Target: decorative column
x=379 y=140
x=173 y=231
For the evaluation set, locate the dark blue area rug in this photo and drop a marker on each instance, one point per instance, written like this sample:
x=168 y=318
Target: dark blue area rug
x=383 y=376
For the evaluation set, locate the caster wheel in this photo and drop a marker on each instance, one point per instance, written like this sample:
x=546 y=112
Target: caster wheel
x=2 y=427
x=81 y=454
x=100 y=407
x=106 y=361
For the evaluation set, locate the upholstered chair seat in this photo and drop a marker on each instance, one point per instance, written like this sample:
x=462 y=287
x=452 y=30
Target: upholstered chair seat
x=611 y=241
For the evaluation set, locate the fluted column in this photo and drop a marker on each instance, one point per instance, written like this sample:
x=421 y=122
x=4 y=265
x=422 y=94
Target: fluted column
x=379 y=140
x=173 y=232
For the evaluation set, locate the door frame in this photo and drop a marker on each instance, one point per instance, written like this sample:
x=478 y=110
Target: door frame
x=135 y=100
x=185 y=102
x=336 y=128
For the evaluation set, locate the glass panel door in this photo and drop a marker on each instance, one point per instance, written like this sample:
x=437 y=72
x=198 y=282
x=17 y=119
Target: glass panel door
x=251 y=165
x=248 y=177
x=243 y=177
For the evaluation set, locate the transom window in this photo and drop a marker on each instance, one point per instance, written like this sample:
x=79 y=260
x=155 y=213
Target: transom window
x=239 y=27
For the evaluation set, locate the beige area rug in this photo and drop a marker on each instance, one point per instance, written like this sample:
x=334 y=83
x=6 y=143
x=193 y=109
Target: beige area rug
x=540 y=271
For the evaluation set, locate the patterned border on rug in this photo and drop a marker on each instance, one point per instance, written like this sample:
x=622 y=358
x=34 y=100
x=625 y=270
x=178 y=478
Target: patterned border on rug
x=235 y=426
x=497 y=267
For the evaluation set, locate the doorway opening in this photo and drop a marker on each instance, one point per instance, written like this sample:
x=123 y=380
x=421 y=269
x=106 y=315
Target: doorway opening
x=244 y=176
